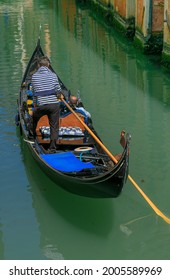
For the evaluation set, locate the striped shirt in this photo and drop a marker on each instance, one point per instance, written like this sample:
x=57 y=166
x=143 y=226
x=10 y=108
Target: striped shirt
x=45 y=86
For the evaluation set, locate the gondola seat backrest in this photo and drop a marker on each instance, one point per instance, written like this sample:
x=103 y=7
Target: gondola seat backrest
x=70 y=120
x=65 y=121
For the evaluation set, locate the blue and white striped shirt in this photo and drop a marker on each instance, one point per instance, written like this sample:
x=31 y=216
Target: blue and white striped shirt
x=45 y=86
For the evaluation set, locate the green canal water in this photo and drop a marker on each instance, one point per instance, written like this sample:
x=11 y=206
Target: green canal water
x=123 y=90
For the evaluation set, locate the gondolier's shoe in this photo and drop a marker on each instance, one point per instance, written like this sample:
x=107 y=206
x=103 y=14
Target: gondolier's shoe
x=31 y=134
x=53 y=145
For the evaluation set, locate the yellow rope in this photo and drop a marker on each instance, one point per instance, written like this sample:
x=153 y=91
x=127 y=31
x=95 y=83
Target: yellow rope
x=152 y=205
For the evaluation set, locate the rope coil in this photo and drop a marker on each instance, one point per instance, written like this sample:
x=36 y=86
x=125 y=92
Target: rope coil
x=83 y=149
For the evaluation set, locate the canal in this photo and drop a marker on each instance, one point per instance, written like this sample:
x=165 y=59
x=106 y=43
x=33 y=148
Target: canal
x=122 y=89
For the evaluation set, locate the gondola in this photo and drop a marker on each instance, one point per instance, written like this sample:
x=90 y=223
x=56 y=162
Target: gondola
x=81 y=164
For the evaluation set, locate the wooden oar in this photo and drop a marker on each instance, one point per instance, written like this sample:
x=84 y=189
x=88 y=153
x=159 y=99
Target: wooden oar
x=152 y=205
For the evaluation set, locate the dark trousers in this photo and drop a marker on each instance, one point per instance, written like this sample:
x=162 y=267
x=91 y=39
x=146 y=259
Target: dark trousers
x=52 y=111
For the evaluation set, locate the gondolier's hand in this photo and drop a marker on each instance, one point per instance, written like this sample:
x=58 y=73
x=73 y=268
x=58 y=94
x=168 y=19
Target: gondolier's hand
x=60 y=96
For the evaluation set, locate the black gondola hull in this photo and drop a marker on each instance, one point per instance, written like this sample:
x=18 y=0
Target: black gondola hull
x=105 y=184
x=108 y=185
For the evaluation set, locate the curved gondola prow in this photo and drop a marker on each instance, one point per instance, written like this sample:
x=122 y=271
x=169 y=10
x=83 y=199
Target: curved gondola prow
x=125 y=157
x=38 y=51
x=120 y=169
x=121 y=165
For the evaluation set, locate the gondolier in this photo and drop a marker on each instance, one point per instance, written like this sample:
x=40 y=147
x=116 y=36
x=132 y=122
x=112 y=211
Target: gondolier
x=46 y=92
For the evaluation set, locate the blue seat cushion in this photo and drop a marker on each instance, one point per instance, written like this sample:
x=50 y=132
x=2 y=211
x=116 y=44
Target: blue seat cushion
x=65 y=162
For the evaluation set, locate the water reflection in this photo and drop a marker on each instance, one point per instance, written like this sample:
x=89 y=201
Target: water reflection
x=66 y=221
x=138 y=69
x=150 y=244
x=47 y=41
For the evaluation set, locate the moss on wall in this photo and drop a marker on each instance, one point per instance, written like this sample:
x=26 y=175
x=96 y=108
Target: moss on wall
x=152 y=44
x=165 y=59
